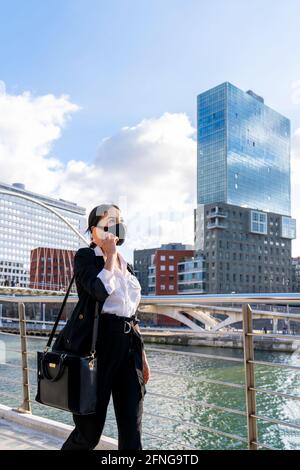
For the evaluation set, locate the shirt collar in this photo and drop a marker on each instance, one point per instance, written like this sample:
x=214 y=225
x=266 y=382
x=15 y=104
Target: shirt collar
x=99 y=252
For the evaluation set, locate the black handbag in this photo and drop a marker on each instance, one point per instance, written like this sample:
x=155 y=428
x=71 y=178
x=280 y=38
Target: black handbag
x=66 y=380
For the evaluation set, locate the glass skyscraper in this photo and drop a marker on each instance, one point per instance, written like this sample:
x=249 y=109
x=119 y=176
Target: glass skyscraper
x=243 y=151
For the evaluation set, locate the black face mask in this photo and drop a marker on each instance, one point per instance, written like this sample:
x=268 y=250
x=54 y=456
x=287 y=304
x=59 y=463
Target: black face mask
x=117 y=229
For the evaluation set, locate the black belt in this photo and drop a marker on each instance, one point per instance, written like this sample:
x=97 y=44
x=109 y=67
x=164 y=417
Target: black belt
x=119 y=323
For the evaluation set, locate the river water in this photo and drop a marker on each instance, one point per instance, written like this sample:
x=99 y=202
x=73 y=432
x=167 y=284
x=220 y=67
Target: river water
x=179 y=423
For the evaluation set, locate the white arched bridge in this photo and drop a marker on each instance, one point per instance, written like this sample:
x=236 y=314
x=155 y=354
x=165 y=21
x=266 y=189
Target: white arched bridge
x=189 y=310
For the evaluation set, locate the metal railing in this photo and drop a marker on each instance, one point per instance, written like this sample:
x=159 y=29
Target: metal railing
x=251 y=416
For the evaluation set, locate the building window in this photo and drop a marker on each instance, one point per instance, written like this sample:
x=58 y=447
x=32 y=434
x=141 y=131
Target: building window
x=162 y=258
x=258 y=222
x=163 y=287
x=288 y=227
x=171 y=267
x=171 y=287
x=162 y=267
x=171 y=256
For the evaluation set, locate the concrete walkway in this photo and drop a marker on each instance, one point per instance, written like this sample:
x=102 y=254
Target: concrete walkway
x=14 y=436
x=24 y=431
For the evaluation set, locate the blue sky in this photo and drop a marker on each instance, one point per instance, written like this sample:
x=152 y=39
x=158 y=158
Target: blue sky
x=132 y=70
x=124 y=60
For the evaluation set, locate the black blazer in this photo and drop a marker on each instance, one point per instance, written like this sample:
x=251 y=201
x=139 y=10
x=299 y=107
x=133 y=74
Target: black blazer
x=76 y=336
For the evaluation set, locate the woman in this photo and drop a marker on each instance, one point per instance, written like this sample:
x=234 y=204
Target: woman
x=103 y=275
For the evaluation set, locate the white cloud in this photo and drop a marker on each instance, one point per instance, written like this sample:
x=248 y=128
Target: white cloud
x=28 y=127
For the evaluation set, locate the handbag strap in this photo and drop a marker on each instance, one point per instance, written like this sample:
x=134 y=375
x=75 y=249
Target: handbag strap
x=95 y=325
x=95 y=330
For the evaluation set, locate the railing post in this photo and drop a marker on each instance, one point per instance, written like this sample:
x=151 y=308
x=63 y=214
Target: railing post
x=26 y=405
x=249 y=377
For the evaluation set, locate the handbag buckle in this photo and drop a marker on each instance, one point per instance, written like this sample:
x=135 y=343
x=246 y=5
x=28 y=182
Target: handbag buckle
x=92 y=361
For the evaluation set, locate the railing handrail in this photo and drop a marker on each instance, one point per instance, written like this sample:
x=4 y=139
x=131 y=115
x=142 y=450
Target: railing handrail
x=171 y=300
x=50 y=322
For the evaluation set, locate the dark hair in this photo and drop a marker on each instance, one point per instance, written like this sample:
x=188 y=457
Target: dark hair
x=94 y=218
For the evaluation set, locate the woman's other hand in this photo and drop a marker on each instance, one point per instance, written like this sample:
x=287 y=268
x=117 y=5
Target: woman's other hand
x=146 y=369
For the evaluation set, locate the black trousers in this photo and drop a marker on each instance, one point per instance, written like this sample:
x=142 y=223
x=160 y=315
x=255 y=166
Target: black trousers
x=119 y=351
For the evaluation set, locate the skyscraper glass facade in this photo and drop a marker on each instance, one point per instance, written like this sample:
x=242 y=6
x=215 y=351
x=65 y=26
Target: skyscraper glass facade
x=243 y=151
x=211 y=159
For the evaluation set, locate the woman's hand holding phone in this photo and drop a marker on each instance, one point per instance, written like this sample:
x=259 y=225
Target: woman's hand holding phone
x=109 y=244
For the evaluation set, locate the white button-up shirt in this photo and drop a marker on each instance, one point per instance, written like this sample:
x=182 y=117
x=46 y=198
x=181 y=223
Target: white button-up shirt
x=123 y=287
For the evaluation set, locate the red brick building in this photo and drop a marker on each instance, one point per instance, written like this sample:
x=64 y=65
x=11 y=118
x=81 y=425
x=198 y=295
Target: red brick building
x=51 y=268
x=166 y=276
